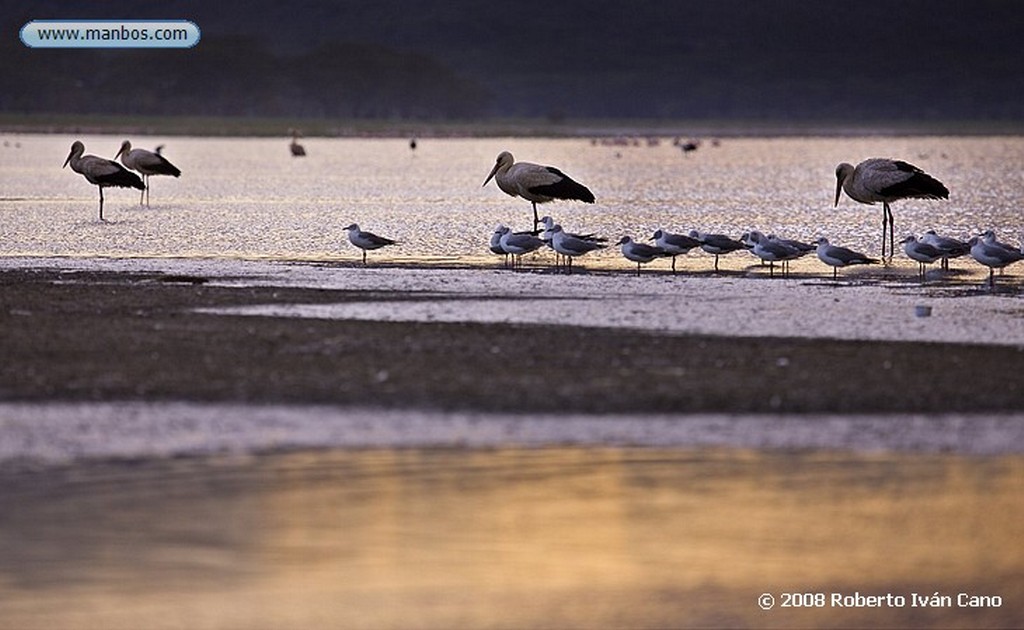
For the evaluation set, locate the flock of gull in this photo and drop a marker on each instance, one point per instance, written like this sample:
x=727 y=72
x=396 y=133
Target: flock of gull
x=876 y=180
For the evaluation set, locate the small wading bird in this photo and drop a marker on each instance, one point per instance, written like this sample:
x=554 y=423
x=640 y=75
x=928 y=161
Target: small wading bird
x=297 y=149
x=535 y=183
x=771 y=251
x=922 y=252
x=674 y=244
x=950 y=247
x=366 y=240
x=837 y=257
x=881 y=179
x=147 y=163
x=640 y=252
x=717 y=244
x=515 y=244
x=101 y=172
x=995 y=255
x=571 y=246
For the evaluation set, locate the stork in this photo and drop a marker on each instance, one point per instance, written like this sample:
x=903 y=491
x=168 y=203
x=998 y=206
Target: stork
x=147 y=163
x=101 y=172
x=535 y=183
x=885 y=180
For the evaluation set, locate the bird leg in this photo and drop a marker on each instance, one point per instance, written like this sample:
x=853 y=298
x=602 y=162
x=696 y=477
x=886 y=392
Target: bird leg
x=887 y=217
x=673 y=265
x=364 y=256
x=101 y=203
x=536 y=221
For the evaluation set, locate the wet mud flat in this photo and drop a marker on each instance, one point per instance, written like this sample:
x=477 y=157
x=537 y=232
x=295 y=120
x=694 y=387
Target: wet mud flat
x=100 y=336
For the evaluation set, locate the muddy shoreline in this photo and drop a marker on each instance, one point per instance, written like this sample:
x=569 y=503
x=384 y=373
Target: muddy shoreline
x=106 y=336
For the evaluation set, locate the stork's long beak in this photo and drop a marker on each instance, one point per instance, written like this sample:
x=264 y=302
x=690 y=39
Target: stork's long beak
x=839 y=191
x=119 y=152
x=493 y=171
x=68 y=160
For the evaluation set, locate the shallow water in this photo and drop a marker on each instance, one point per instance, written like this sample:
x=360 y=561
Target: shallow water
x=248 y=198
x=509 y=538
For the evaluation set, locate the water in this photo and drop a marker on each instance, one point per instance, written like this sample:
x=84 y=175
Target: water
x=509 y=538
x=248 y=198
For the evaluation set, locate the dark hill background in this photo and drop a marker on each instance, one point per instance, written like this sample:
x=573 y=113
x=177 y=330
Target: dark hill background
x=720 y=60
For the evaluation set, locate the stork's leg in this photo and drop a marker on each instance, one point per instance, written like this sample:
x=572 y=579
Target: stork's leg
x=101 y=203
x=536 y=221
x=145 y=187
x=835 y=270
x=146 y=184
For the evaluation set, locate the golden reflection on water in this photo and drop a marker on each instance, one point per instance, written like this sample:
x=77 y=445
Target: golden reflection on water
x=508 y=538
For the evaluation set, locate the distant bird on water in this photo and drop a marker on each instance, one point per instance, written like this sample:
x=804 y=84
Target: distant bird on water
x=535 y=183
x=837 y=257
x=297 y=149
x=366 y=240
x=101 y=172
x=147 y=163
x=885 y=180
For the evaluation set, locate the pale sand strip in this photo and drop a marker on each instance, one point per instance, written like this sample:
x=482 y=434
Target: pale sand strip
x=59 y=433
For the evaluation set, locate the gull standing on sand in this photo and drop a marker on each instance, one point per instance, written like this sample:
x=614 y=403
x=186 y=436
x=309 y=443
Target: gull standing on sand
x=518 y=243
x=993 y=254
x=101 y=172
x=772 y=251
x=950 y=247
x=535 y=183
x=674 y=244
x=885 y=180
x=640 y=252
x=717 y=244
x=836 y=256
x=366 y=240
x=548 y=233
x=922 y=252
x=571 y=246
x=147 y=163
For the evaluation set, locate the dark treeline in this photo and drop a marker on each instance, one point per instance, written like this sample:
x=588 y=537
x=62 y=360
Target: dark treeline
x=237 y=76
x=406 y=59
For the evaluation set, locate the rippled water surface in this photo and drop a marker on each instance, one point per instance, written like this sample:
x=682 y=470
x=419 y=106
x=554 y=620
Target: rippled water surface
x=248 y=198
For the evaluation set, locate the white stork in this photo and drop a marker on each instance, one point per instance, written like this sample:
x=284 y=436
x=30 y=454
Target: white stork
x=837 y=257
x=885 y=180
x=366 y=240
x=147 y=163
x=535 y=183
x=101 y=172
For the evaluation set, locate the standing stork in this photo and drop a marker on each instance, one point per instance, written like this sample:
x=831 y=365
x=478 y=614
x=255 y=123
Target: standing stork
x=885 y=180
x=101 y=172
x=535 y=183
x=147 y=163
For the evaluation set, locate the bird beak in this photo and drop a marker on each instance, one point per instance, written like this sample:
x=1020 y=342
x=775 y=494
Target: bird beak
x=68 y=160
x=839 y=190
x=119 y=152
x=493 y=171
